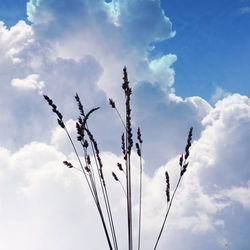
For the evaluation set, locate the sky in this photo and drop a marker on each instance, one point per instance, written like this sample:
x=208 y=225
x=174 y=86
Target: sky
x=188 y=65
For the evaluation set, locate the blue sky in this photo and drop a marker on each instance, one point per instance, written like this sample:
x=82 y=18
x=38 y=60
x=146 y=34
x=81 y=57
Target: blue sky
x=188 y=65
x=217 y=32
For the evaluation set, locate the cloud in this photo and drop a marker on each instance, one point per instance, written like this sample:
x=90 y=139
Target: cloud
x=60 y=40
x=78 y=33
x=161 y=118
x=68 y=46
x=196 y=208
x=131 y=15
x=225 y=127
x=31 y=61
x=244 y=10
x=161 y=69
x=34 y=176
x=29 y=83
x=218 y=95
x=239 y=194
x=37 y=189
x=14 y=40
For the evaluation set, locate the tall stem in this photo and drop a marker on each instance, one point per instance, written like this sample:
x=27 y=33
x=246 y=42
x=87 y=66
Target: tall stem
x=103 y=186
x=129 y=205
x=166 y=216
x=140 y=201
x=92 y=192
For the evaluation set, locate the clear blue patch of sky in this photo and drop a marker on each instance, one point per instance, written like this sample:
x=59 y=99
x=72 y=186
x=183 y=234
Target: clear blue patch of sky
x=11 y=11
x=212 y=44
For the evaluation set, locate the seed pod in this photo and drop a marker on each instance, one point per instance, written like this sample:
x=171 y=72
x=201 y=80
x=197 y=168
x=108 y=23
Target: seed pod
x=167 y=186
x=115 y=176
x=68 y=164
x=119 y=165
x=112 y=103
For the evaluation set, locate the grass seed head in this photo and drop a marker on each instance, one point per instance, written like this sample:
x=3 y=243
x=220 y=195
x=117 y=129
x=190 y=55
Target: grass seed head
x=167 y=186
x=119 y=165
x=112 y=103
x=115 y=176
x=67 y=164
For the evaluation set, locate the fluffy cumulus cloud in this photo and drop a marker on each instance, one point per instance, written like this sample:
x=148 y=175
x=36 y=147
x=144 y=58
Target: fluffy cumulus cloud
x=239 y=194
x=31 y=82
x=43 y=190
x=81 y=46
x=14 y=40
x=106 y=32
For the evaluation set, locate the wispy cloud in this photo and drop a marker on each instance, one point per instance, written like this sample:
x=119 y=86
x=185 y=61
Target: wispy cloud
x=219 y=94
x=244 y=10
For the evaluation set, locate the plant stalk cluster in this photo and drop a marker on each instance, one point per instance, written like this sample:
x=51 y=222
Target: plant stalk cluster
x=92 y=168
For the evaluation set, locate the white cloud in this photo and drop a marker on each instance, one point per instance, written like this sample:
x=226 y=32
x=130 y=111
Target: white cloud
x=239 y=194
x=220 y=155
x=69 y=50
x=162 y=71
x=195 y=211
x=14 y=40
x=244 y=10
x=218 y=95
x=84 y=36
x=49 y=201
x=199 y=223
x=31 y=82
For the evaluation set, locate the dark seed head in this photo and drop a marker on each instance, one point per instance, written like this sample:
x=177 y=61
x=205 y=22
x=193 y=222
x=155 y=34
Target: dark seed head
x=138 y=149
x=167 y=186
x=119 y=165
x=112 y=103
x=139 y=135
x=115 y=176
x=68 y=164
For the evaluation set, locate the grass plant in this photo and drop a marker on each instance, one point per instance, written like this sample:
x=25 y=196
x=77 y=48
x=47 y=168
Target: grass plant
x=93 y=171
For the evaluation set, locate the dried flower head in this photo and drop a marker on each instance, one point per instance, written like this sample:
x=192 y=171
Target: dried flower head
x=139 y=135
x=181 y=161
x=188 y=143
x=55 y=110
x=88 y=160
x=115 y=176
x=128 y=92
x=80 y=132
x=167 y=186
x=68 y=164
x=80 y=107
x=119 y=165
x=138 y=149
x=85 y=144
x=123 y=145
x=184 y=168
x=112 y=103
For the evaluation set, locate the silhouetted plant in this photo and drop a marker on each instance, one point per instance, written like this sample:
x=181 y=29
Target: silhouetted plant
x=86 y=138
